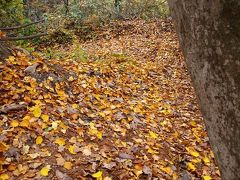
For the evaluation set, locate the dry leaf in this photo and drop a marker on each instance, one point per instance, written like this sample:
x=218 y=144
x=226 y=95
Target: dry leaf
x=67 y=165
x=39 y=140
x=97 y=175
x=45 y=170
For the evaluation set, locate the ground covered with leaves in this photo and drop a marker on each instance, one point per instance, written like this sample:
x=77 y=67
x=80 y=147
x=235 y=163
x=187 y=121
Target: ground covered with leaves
x=119 y=106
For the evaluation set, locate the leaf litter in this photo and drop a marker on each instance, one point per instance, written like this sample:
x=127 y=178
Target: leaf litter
x=129 y=111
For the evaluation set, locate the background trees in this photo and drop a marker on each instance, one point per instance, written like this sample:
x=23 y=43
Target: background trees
x=78 y=12
x=210 y=39
x=65 y=18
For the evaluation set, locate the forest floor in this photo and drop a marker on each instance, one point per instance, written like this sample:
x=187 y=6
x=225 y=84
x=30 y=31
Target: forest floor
x=119 y=106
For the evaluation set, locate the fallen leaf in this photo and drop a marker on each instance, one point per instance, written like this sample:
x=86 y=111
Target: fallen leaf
x=192 y=152
x=71 y=149
x=14 y=123
x=87 y=151
x=62 y=176
x=125 y=156
x=207 y=178
x=54 y=125
x=60 y=161
x=4 y=176
x=153 y=135
x=97 y=175
x=45 y=117
x=37 y=111
x=39 y=140
x=67 y=165
x=206 y=160
x=191 y=167
x=70 y=79
x=45 y=170
x=60 y=141
x=167 y=170
x=109 y=165
x=3 y=147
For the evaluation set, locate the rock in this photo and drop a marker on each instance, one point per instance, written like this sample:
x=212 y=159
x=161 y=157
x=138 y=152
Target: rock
x=31 y=69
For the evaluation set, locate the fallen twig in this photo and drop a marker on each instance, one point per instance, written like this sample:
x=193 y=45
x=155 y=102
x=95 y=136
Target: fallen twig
x=13 y=107
x=22 y=37
x=20 y=26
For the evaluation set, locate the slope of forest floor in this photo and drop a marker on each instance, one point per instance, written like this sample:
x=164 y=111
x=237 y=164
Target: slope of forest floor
x=119 y=106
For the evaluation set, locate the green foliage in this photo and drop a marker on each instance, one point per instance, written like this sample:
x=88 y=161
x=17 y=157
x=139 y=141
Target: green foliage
x=81 y=17
x=96 y=12
x=145 y=9
x=79 y=54
x=11 y=11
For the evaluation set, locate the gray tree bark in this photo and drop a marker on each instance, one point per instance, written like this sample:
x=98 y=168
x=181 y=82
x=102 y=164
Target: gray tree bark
x=209 y=34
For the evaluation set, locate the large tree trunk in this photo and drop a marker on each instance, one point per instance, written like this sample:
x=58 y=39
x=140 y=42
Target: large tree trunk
x=209 y=34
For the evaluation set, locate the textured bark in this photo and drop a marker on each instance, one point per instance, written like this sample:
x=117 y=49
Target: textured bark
x=209 y=34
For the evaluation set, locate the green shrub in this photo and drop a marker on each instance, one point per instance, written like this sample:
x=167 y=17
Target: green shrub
x=11 y=11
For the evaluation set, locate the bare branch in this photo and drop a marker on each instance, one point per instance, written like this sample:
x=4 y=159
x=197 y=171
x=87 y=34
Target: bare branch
x=20 y=26
x=23 y=37
x=13 y=107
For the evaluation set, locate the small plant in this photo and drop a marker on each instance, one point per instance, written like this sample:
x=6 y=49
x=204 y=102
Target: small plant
x=79 y=54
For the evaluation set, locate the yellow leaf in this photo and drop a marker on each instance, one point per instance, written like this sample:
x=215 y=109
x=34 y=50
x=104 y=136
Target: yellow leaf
x=99 y=135
x=27 y=118
x=4 y=176
x=45 y=170
x=196 y=160
x=93 y=131
x=50 y=78
x=3 y=147
x=71 y=149
x=138 y=173
x=163 y=123
x=60 y=141
x=206 y=160
x=39 y=140
x=12 y=59
x=45 y=117
x=207 y=178
x=14 y=123
x=37 y=111
x=91 y=124
x=97 y=175
x=193 y=123
x=192 y=152
x=153 y=135
x=44 y=125
x=67 y=165
x=167 y=170
x=74 y=106
x=24 y=123
x=151 y=151
x=191 y=167
x=70 y=79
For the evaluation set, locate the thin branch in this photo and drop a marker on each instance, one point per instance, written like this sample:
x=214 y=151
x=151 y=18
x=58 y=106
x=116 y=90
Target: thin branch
x=23 y=37
x=13 y=107
x=20 y=26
